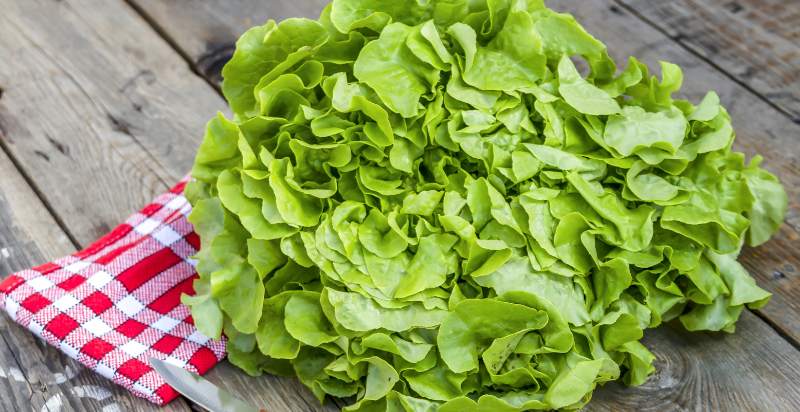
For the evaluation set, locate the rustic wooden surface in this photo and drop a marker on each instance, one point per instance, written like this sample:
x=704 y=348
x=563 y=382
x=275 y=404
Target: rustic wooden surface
x=98 y=110
x=711 y=372
x=116 y=93
x=756 y=42
x=205 y=31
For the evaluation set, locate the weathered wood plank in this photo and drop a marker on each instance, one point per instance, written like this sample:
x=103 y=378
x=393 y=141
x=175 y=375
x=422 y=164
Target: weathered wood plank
x=98 y=110
x=16 y=393
x=16 y=390
x=757 y=42
x=712 y=372
x=102 y=115
x=205 y=31
x=34 y=375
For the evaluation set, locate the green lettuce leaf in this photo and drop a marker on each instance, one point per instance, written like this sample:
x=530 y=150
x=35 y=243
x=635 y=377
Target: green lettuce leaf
x=462 y=205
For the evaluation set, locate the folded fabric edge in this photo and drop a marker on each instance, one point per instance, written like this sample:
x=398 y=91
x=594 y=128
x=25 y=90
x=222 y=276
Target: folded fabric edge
x=107 y=249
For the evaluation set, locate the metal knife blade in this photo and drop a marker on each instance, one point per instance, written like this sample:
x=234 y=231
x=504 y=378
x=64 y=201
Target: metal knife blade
x=199 y=390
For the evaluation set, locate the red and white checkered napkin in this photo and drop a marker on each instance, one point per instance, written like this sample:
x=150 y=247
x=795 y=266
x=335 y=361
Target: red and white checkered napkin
x=117 y=303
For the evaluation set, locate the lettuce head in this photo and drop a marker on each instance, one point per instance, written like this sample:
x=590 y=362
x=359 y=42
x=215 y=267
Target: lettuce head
x=464 y=205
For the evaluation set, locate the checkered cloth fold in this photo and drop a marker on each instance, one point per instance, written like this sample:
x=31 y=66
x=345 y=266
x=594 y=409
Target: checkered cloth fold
x=115 y=304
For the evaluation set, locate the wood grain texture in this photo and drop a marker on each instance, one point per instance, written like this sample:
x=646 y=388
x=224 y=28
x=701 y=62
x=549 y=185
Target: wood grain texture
x=34 y=375
x=712 y=372
x=757 y=42
x=16 y=250
x=100 y=112
x=206 y=31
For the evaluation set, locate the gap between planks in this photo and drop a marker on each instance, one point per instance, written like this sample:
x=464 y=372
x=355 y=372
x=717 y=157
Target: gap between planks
x=173 y=44
x=678 y=40
x=37 y=192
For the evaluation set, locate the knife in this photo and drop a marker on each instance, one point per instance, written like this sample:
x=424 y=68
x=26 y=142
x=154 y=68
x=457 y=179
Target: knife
x=199 y=390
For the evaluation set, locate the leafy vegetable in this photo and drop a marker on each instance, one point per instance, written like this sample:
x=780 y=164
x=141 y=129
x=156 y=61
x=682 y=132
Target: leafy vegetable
x=427 y=206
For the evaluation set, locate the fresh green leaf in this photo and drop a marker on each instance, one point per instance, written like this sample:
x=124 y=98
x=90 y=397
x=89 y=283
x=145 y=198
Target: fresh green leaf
x=428 y=206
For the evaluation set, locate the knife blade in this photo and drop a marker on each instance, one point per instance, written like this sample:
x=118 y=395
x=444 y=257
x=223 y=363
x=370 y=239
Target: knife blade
x=199 y=390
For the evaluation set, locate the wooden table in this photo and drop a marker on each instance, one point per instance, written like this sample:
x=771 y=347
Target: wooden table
x=103 y=102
